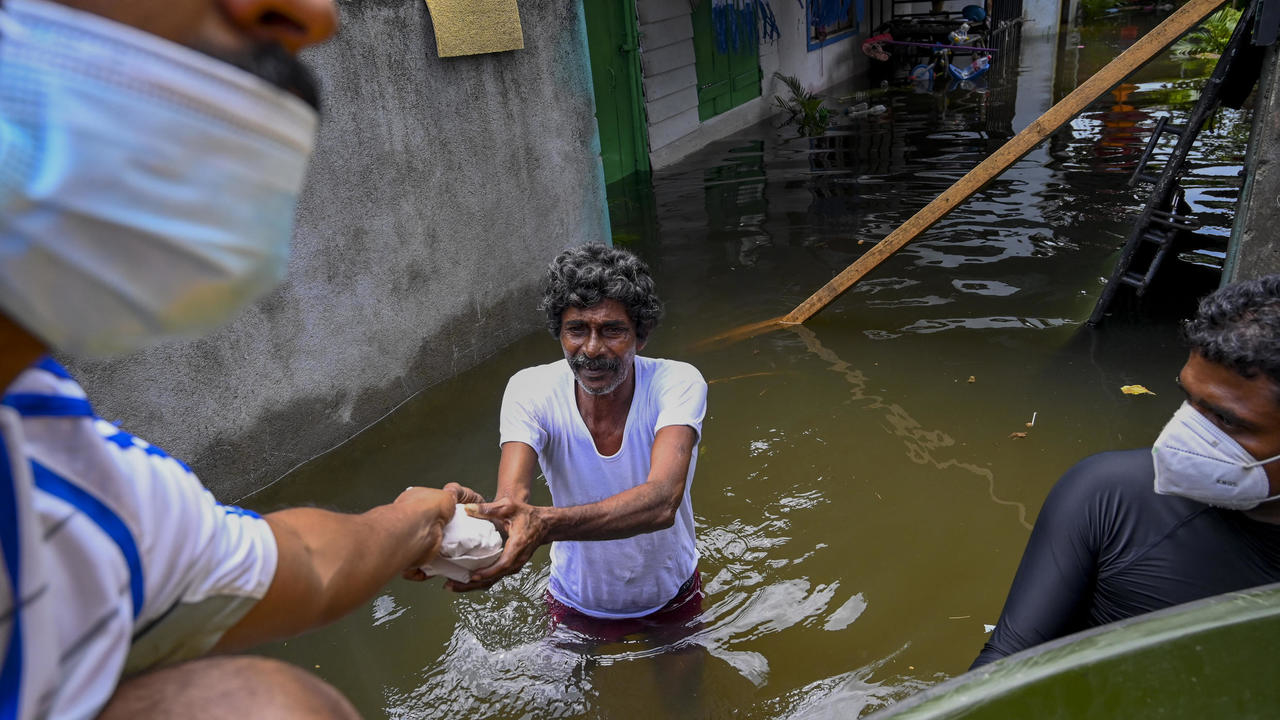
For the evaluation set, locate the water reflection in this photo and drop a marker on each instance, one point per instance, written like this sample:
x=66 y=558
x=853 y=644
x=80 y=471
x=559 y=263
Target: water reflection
x=920 y=443
x=846 y=695
x=866 y=482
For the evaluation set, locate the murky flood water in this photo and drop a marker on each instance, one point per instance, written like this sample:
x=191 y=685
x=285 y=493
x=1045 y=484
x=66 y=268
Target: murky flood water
x=861 y=503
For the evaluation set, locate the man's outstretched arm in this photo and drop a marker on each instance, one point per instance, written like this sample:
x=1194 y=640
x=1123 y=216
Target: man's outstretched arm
x=647 y=507
x=330 y=563
x=644 y=508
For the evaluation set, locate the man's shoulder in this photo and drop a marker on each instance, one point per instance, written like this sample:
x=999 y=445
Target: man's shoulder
x=47 y=378
x=671 y=372
x=1116 y=479
x=1116 y=465
x=540 y=375
x=537 y=385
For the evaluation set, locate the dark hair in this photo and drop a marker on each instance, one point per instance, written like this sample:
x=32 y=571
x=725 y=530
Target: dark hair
x=1238 y=327
x=589 y=274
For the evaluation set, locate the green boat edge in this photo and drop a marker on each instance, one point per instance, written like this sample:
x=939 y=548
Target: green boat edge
x=1206 y=658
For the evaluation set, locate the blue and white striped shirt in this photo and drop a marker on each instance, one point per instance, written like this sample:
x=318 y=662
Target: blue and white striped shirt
x=114 y=557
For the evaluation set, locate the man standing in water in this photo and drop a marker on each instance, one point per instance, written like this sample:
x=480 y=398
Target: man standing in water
x=616 y=436
x=1129 y=532
x=151 y=153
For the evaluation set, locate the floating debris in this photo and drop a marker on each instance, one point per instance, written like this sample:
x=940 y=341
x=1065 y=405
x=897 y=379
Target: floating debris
x=1017 y=435
x=1135 y=390
x=1033 y=419
x=863 y=109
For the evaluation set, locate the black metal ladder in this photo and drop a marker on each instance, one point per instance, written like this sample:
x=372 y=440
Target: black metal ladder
x=1164 y=214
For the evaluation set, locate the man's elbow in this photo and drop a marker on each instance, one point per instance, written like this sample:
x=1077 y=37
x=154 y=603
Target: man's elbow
x=664 y=520
x=666 y=516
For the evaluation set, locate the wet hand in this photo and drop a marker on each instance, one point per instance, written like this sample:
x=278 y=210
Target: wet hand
x=437 y=508
x=524 y=527
x=464 y=494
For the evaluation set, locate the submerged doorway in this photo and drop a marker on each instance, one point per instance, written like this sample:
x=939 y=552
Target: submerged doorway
x=613 y=41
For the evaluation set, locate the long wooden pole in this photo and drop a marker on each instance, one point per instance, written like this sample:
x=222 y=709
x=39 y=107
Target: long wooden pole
x=1182 y=20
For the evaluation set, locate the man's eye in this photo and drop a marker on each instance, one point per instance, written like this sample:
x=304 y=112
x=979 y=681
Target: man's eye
x=614 y=332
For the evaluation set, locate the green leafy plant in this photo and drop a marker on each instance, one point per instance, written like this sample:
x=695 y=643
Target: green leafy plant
x=805 y=108
x=1210 y=37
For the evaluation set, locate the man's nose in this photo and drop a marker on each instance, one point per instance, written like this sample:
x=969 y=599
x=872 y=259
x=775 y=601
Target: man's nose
x=294 y=24
x=594 y=344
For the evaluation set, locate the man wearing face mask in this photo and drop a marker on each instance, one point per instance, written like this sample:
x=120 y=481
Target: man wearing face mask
x=1129 y=532
x=151 y=154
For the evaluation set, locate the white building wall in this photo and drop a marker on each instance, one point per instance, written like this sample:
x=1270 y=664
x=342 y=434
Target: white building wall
x=671 y=80
x=666 y=60
x=1041 y=16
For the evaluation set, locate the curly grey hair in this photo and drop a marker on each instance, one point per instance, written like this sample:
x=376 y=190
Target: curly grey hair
x=1238 y=327
x=587 y=275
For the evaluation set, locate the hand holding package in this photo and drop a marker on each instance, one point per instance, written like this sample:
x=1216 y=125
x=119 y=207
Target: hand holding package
x=469 y=544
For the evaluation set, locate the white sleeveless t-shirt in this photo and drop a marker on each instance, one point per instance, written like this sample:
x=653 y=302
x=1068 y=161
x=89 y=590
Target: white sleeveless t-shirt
x=634 y=576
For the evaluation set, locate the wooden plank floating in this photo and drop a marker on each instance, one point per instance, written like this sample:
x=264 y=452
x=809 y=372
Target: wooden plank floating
x=1160 y=37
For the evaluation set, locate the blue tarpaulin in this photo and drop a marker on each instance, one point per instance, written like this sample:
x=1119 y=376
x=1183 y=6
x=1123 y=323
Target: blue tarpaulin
x=831 y=16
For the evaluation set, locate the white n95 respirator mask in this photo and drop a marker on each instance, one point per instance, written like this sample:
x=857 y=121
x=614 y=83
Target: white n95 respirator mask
x=1195 y=459
x=147 y=190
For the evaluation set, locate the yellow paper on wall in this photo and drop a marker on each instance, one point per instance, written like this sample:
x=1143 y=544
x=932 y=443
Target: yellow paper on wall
x=472 y=27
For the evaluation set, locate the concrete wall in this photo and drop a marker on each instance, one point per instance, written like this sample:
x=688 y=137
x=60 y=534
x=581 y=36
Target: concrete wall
x=1042 y=17
x=1254 y=250
x=439 y=191
x=670 y=78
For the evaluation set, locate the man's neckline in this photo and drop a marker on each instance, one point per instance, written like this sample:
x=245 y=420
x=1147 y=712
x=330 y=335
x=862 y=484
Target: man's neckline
x=633 y=380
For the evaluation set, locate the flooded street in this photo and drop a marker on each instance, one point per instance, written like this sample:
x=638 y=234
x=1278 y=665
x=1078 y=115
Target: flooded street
x=861 y=504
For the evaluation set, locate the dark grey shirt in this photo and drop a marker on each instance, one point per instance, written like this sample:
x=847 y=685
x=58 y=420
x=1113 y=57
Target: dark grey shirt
x=1106 y=547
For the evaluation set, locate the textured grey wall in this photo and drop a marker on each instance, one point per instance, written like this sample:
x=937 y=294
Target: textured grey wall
x=439 y=191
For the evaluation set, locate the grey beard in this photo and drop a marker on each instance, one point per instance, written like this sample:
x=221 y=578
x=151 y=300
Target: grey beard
x=605 y=391
x=582 y=362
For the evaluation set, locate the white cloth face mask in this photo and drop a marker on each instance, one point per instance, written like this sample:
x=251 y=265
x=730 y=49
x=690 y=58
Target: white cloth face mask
x=1195 y=459
x=147 y=190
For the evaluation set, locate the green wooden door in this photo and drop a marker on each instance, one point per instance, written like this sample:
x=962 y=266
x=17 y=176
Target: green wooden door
x=613 y=42
x=728 y=75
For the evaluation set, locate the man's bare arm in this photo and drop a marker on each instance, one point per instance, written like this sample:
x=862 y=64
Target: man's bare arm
x=330 y=563
x=644 y=508
x=516 y=470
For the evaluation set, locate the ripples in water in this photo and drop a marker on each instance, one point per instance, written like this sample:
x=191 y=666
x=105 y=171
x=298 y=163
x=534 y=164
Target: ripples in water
x=860 y=505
